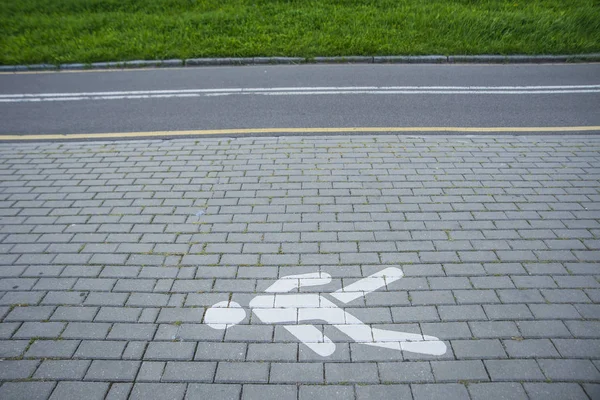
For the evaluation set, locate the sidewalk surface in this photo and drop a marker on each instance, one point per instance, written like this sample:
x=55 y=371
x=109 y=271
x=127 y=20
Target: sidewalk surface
x=111 y=253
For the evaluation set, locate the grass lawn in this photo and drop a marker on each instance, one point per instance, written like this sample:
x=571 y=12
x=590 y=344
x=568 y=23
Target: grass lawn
x=63 y=31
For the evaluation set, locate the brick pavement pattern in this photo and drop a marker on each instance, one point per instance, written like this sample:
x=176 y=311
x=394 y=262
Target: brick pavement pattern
x=111 y=253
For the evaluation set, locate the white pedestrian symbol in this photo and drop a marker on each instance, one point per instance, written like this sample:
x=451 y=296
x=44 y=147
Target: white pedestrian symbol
x=290 y=309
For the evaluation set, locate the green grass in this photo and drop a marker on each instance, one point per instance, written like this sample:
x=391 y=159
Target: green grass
x=63 y=31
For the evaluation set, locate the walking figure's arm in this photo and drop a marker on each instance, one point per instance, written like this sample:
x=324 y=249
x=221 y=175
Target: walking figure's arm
x=293 y=282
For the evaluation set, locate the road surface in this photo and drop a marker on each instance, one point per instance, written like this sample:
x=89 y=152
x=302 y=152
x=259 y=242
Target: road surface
x=304 y=96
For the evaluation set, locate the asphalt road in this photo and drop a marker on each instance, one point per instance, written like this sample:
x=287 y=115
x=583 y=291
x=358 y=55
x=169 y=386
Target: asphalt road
x=536 y=95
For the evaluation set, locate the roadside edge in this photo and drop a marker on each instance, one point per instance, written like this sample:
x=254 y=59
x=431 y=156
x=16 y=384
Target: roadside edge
x=229 y=61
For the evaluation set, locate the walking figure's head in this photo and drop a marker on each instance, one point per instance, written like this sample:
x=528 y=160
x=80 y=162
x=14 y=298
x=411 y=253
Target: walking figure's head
x=224 y=314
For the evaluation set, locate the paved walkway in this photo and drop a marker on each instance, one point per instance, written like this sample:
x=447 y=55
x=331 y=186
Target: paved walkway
x=113 y=255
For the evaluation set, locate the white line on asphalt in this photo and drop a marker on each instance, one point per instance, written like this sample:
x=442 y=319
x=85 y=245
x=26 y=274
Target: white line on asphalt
x=297 y=91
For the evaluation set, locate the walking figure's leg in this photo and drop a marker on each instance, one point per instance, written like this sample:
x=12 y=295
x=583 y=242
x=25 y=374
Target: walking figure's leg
x=313 y=338
x=362 y=333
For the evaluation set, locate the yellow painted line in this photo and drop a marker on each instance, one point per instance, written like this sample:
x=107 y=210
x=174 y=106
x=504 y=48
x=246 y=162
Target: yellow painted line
x=242 y=132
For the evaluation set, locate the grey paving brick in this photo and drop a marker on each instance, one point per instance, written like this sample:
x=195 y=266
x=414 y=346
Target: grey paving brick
x=52 y=348
x=372 y=315
x=242 y=372
x=584 y=329
x=67 y=313
x=494 y=329
x=588 y=311
x=26 y=390
x=545 y=268
x=157 y=272
x=478 y=349
x=592 y=389
x=132 y=285
x=432 y=297
x=191 y=285
x=554 y=391
x=237 y=285
x=64 y=298
x=81 y=271
x=147 y=300
x=21 y=298
x=99 y=349
x=578 y=348
x=116 y=314
x=492 y=282
x=17 y=283
x=593 y=294
x=405 y=372
x=497 y=391
x=328 y=392
x=575 y=282
x=200 y=391
x=189 y=371
x=520 y=296
x=170 y=351
x=108 y=259
x=533 y=282
x=62 y=370
x=216 y=351
x=414 y=314
x=106 y=299
x=12 y=348
x=7 y=329
x=39 y=330
x=119 y=391
x=150 y=371
x=296 y=373
x=216 y=272
x=132 y=331
x=86 y=330
x=461 y=313
x=382 y=392
x=530 y=348
x=94 y=284
x=354 y=372
x=193 y=315
x=554 y=311
x=147 y=391
x=439 y=391
x=33 y=313
x=205 y=299
x=188 y=332
x=569 y=370
x=445 y=371
x=267 y=351
x=79 y=390
x=514 y=370
x=473 y=296
x=543 y=329
x=17 y=369
x=387 y=299
x=447 y=330
x=269 y=392
x=507 y=312
x=254 y=333
x=565 y=296
x=134 y=350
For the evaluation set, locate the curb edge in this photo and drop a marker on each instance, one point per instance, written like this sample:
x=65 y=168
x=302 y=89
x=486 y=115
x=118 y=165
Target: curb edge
x=231 y=61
